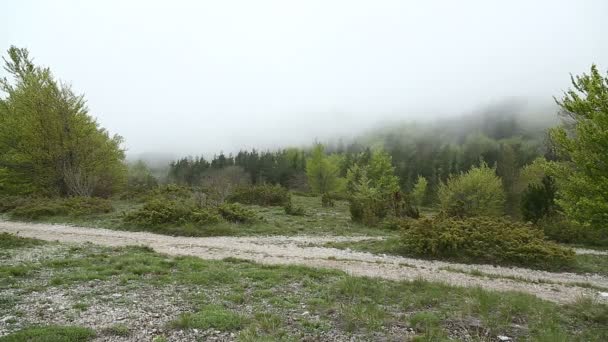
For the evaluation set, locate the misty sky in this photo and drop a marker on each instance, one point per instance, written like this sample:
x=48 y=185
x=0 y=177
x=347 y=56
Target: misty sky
x=190 y=77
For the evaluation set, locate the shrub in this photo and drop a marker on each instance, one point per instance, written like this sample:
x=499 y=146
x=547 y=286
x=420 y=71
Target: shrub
x=264 y=195
x=538 y=200
x=392 y=223
x=290 y=209
x=75 y=206
x=83 y=206
x=327 y=201
x=478 y=192
x=8 y=203
x=171 y=192
x=36 y=209
x=559 y=228
x=483 y=239
x=159 y=212
x=234 y=212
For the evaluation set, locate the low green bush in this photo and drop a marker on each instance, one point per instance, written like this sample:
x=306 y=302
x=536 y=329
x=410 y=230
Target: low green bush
x=83 y=206
x=264 y=195
x=160 y=212
x=559 y=228
x=483 y=239
x=9 y=202
x=171 y=192
x=38 y=208
x=327 y=201
x=293 y=210
x=234 y=212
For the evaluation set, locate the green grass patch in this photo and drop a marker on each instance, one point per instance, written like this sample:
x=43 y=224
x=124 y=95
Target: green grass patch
x=210 y=316
x=10 y=241
x=51 y=334
x=117 y=330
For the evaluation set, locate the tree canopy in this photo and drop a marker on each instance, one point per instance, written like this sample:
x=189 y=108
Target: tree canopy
x=582 y=145
x=49 y=144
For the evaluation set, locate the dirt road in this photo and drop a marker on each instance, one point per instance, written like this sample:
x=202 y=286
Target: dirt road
x=557 y=287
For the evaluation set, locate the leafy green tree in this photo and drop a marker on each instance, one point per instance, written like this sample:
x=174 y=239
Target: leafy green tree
x=582 y=145
x=323 y=171
x=419 y=191
x=381 y=173
x=478 y=192
x=49 y=144
x=372 y=187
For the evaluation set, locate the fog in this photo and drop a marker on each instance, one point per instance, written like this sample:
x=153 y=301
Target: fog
x=191 y=77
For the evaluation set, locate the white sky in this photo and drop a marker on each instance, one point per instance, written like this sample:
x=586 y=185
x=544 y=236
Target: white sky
x=189 y=77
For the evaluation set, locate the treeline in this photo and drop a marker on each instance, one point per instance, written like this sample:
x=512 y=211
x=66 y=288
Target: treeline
x=285 y=167
x=432 y=151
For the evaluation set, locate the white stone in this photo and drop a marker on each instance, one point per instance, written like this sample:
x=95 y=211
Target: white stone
x=504 y=338
x=604 y=294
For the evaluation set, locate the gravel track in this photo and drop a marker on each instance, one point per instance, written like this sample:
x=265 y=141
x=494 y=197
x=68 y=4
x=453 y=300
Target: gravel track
x=282 y=250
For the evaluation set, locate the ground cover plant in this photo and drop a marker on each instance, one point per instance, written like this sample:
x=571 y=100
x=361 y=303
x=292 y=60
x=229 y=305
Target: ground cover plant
x=257 y=302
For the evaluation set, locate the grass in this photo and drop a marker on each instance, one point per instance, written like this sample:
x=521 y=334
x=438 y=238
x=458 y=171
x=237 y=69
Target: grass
x=210 y=316
x=260 y=302
x=481 y=274
x=51 y=334
x=118 y=330
x=9 y=241
x=274 y=221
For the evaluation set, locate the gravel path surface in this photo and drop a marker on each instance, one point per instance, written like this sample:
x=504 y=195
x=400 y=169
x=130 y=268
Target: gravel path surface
x=557 y=287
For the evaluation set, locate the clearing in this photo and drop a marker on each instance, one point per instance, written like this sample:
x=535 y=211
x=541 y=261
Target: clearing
x=308 y=251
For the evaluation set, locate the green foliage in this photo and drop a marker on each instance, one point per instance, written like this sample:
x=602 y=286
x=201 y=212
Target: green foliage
x=51 y=334
x=419 y=192
x=478 y=192
x=291 y=209
x=372 y=188
x=140 y=178
x=327 y=201
x=158 y=211
x=49 y=144
x=582 y=176
x=538 y=200
x=323 y=171
x=559 y=228
x=171 y=192
x=483 y=239
x=37 y=208
x=264 y=195
x=10 y=202
x=233 y=212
